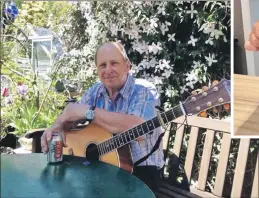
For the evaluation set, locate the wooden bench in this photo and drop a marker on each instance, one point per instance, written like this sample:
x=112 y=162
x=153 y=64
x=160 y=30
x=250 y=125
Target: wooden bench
x=198 y=128
x=206 y=128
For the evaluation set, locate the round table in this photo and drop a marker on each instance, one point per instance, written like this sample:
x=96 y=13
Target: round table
x=30 y=175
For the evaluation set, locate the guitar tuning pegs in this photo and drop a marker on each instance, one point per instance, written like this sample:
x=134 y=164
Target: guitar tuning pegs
x=215 y=89
x=220 y=100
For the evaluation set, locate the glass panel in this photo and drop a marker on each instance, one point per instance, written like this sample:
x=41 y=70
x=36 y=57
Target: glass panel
x=42 y=55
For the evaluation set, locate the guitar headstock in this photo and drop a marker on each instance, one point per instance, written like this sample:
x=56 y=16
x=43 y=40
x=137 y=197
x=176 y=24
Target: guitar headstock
x=216 y=95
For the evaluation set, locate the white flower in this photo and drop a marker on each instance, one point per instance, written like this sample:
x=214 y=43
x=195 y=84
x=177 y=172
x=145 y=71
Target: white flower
x=159 y=90
x=192 y=11
x=192 y=77
x=153 y=22
x=209 y=41
x=114 y=29
x=167 y=23
x=216 y=33
x=171 y=92
x=89 y=72
x=192 y=41
x=207 y=27
x=196 y=64
x=134 y=69
x=138 y=2
x=140 y=47
x=153 y=62
x=157 y=80
x=163 y=64
x=225 y=39
x=161 y=10
x=190 y=84
x=171 y=37
x=183 y=89
x=163 y=28
x=210 y=59
x=167 y=106
x=154 y=48
x=134 y=33
x=167 y=73
x=143 y=64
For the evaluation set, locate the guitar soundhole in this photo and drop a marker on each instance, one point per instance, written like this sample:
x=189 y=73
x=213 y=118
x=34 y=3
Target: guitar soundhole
x=91 y=152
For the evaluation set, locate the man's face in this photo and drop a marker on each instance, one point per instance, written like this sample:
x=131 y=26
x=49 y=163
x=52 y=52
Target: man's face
x=112 y=68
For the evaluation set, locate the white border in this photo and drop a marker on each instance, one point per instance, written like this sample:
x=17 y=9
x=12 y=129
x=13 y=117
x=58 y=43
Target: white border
x=232 y=67
x=232 y=70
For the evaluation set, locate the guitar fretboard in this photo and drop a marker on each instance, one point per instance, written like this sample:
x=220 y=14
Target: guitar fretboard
x=124 y=138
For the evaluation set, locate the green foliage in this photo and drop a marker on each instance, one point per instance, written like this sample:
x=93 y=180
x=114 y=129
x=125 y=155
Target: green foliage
x=24 y=112
x=43 y=13
x=168 y=45
x=41 y=104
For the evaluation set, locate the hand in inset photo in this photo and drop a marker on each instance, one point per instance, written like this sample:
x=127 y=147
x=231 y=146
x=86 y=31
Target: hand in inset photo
x=253 y=43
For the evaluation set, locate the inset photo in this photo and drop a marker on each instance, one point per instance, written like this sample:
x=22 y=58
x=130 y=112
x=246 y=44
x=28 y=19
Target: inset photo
x=246 y=69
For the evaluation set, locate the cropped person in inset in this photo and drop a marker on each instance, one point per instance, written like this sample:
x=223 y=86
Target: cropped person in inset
x=253 y=43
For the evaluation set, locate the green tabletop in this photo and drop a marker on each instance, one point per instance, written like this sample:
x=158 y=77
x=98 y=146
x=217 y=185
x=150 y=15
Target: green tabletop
x=29 y=175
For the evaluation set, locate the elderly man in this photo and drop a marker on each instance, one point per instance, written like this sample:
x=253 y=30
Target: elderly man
x=253 y=43
x=117 y=103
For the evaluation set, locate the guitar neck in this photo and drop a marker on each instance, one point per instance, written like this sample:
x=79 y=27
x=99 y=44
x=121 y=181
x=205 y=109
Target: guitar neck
x=126 y=137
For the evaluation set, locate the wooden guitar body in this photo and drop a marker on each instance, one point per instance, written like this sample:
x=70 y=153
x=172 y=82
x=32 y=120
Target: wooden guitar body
x=81 y=140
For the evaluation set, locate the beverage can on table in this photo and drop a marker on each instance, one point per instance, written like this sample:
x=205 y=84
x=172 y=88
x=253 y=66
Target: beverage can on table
x=55 y=153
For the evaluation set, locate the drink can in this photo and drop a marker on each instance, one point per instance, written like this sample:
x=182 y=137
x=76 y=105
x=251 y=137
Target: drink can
x=55 y=153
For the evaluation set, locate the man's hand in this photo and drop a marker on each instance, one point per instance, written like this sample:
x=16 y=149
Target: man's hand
x=71 y=114
x=47 y=136
x=253 y=43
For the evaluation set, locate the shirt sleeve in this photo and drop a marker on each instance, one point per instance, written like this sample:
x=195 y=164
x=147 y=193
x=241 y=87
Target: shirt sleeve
x=86 y=99
x=144 y=102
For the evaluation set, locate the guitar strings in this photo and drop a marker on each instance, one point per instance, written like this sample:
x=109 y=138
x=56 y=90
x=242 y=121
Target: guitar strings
x=116 y=138
x=112 y=141
x=103 y=146
x=119 y=136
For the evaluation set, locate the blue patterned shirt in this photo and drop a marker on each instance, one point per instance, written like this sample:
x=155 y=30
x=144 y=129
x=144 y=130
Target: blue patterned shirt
x=137 y=97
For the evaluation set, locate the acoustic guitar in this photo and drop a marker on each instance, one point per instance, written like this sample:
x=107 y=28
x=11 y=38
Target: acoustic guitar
x=95 y=143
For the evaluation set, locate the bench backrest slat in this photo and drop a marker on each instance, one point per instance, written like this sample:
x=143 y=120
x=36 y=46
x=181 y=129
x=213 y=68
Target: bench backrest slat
x=222 y=166
x=178 y=140
x=205 y=161
x=206 y=123
x=240 y=167
x=191 y=152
